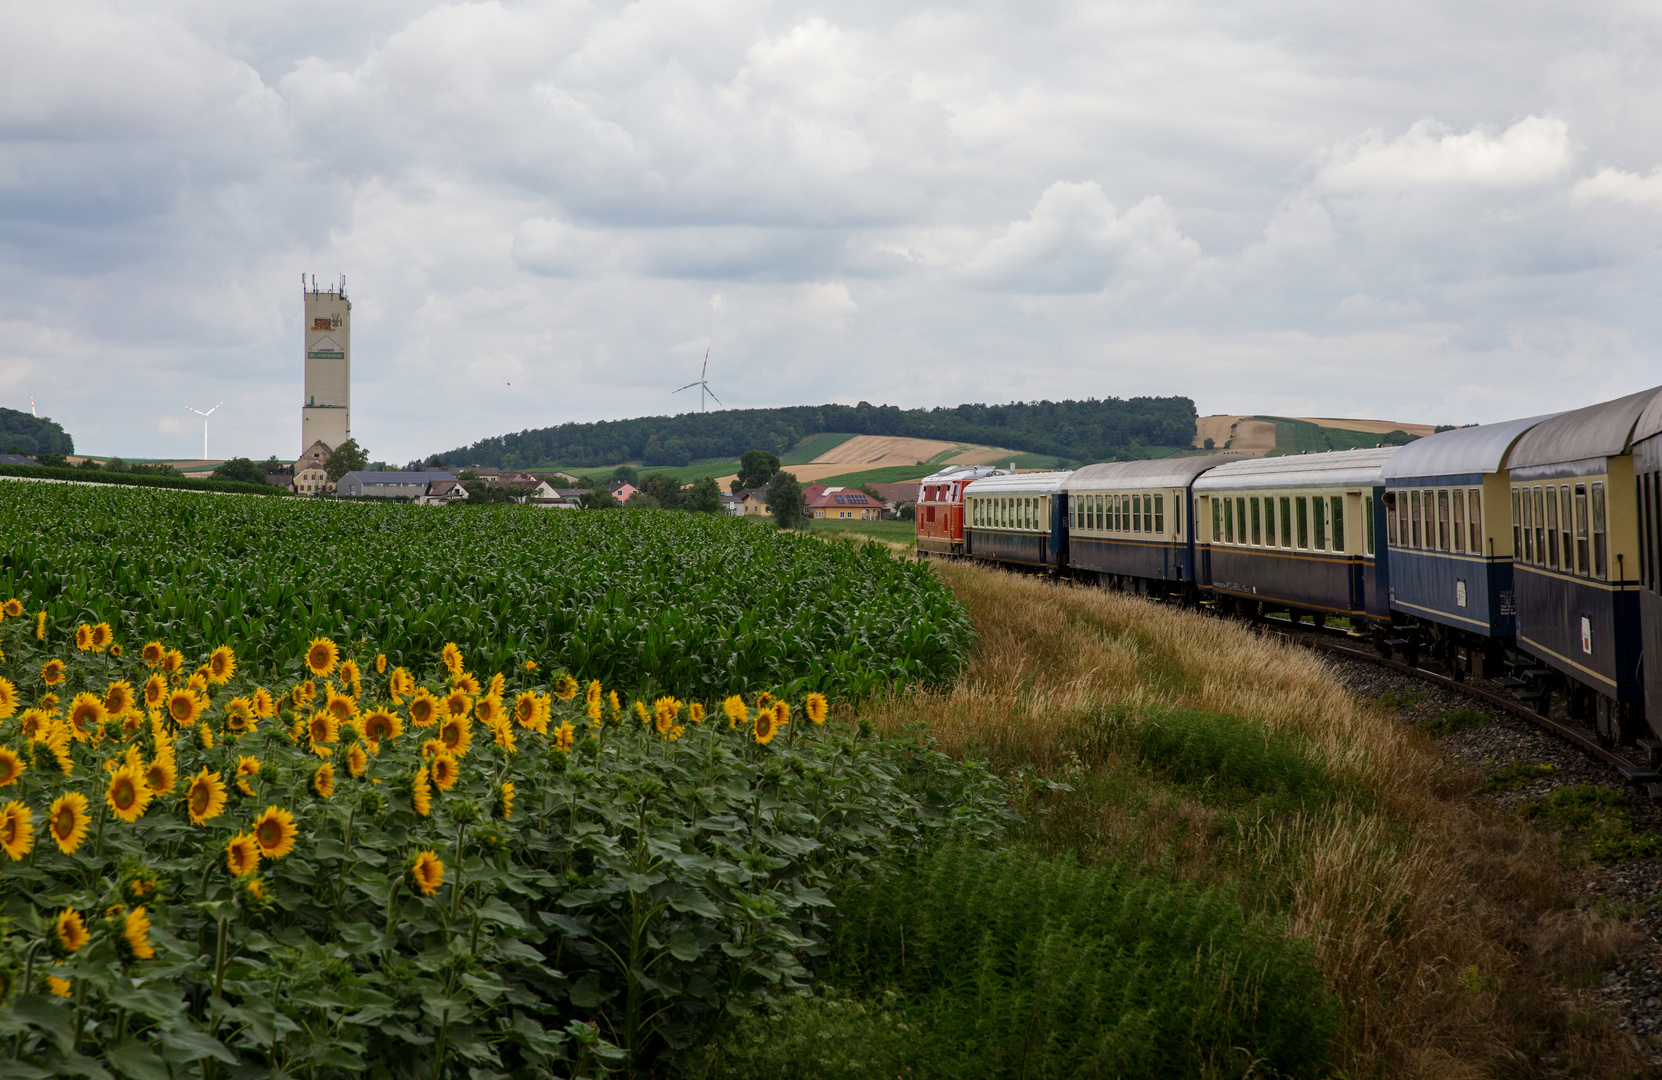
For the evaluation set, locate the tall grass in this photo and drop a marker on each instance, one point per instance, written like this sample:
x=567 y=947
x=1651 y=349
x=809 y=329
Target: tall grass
x=1220 y=757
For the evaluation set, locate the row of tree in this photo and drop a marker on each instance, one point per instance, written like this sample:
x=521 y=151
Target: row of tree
x=1089 y=430
x=25 y=433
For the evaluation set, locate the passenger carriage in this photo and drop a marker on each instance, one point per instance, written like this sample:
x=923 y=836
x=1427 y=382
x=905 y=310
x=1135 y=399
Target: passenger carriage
x=1647 y=465
x=1299 y=534
x=1132 y=522
x=940 y=510
x=1575 y=503
x=1018 y=519
x=1448 y=527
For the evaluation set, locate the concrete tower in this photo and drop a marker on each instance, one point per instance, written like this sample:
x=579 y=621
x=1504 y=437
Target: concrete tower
x=326 y=412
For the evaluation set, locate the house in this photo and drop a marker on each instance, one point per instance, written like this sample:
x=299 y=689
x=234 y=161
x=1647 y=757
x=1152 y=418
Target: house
x=17 y=459
x=896 y=495
x=309 y=475
x=841 y=503
x=405 y=484
x=567 y=477
x=732 y=503
x=753 y=502
x=442 y=492
x=621 y=490
x=555 y=498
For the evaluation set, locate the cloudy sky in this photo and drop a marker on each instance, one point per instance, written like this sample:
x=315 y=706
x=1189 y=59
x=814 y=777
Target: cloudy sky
x=548 y=211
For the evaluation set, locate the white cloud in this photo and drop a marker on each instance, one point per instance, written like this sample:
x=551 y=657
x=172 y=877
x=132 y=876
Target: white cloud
x=1533 y=151
x=1614 y=185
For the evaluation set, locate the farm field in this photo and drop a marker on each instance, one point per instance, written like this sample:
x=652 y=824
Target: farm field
x=1261 y=435
x=674 y=603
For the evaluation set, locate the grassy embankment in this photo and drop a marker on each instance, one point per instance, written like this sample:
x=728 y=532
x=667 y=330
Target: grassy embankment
x=1199 y=756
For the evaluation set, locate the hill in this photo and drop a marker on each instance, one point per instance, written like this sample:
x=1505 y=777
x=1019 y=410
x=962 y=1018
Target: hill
x=33 y=434
x=1090 y=430
x=1269 y=436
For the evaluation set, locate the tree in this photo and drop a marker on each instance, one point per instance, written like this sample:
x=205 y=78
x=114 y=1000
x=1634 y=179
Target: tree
x=597 y=499
x=705 y=497
x=241 y=470
x=1210 y=444
x=756 y=468
x=785 y=500
x=640 y=500
x=664 y=488
x=627 y=474
x=348 y=457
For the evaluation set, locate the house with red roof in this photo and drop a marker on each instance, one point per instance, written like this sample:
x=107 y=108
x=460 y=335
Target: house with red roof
x=840 y=503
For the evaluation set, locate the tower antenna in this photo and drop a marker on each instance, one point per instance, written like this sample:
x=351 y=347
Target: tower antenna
x=204 y=416
x=703 y=384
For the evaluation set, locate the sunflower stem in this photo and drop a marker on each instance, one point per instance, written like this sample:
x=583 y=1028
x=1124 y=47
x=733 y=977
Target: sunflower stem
x=219 y=961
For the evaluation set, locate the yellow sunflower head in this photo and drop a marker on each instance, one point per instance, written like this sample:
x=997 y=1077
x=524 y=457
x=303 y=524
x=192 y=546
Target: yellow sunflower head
x=457 y=735
x=764 y=700
x=155 y=691
x=40 y=626
x=172 y=661
x=152 y=653
x=69 y=932
x=424 y=708
x=323 y=781
x=456 y=703
x=161 y=775
x=357 y=761
x=465 y=682
x=444 y=771
x=83 y=637
x=504 y=808
x=265 y=706
x=68 y=821
x=87 y=716
x=242 y=855
x=351 y=675
x=60 y=987
x=695 y=713
x=564 y=736
x=339 y=706
x=304 y=694
x=118 y=698
x=51 y=672
x=816 y=707
x=184 y=706
x=222 y=664
x=525 y=709
x=128 y=796
x=426 y=873
x=380 y=663
x=591 y=696
x=488 y=710
x=17 y=830
x=421 y=793
x=452 y=657
x=8 y=698
x=135 y=935
x=11 y=766
x=205 y=797
x=103 y=636
x=321 y=657
x=275 y=832
x=13 y=608
x=323 y=728
x=565 y=687
x=380 y=724
x=503 y=735
x=764 y=729
x=115 y=651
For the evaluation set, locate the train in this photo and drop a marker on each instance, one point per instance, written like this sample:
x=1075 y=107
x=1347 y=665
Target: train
x=1527 y=552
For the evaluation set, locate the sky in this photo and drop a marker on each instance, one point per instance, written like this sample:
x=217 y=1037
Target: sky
x=551 y=211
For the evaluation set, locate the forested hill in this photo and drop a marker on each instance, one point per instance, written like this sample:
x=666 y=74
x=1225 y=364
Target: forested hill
x=1081 y=431
x=32 y=435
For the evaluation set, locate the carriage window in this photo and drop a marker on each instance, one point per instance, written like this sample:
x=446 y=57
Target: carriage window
x=1391 y=520
x=1600 y=555
x=1241 y=519
x=1552 y=527
x=1540 y=529
x=1517 y=527
x=1581 y=563
x=1148 y=513
x=1367 y=522
x=1459 y=530
x=1566 y=517
x=1229 y=521
x=1257 y=522
x=1159 y=514
x=1338 y=522
x=1474 y=506
x=1269 y=520
x=1303 y=521
x=1528 y=553
x=1217 y=520
x=1318 y=510
x=1286 y=522
x=1442 y=520
x=1414 y=517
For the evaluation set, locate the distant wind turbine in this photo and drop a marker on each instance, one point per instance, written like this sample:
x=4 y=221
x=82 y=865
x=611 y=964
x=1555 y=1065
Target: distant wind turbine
x=204 y=416
x=703 y=384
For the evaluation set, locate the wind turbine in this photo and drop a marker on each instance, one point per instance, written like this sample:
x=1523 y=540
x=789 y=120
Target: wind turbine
x=702 y=384
x=204 y=416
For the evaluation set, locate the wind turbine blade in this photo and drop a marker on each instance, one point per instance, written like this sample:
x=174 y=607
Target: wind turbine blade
x=712 y=393
x=689 y=386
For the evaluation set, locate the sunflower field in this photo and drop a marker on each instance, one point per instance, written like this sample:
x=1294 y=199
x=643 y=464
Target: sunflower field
x=700 y=606
x=415 y=870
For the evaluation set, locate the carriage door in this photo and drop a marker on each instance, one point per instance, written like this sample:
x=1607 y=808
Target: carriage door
x=1647 y=470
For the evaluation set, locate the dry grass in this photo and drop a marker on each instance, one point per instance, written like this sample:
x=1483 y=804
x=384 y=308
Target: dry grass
x=1447 y=932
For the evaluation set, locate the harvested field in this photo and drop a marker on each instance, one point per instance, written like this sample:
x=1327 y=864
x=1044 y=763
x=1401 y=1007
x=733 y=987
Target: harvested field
x=897 y=450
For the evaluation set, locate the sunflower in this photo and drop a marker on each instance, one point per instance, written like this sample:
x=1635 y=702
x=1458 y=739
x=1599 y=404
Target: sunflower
x=205 y=797
x=764 y=700
x=456 y=703
x=239 y=715
x=8 y=698
x=457 y=735
x=198 y=680
x=781 y=713
x=765 y=727
x=323 y=728
x=51 y=672
x=222 y=664
x=83 y=637
x=664 y=712
x=183 y=706
x=265 y=706
x=69 y=931
x=161 y=775
x=155 y=691
x=444 y=771
x=275 y=832
x=427 y=872
x=640 y=712
x=128 y=796
x=321 y=657
x=246 y=767
x=135 y=934
x=13 y=608
x=424 y=708
x=49 y=702
x=351 y=676
x=86 y=716
x=152 y=653
x=465 y=682
x=525 y=709
x=378 y=724
x=565 y=687
x=17 y=830
x=816 y=707
x=304 y=694
x=102 y=636
x=138 y=883
x=206 y=734
x=617 y=706
x=401 y=684
x=488 y=710
x=357 y=762
x=172 y=661
x=118 y=698
x=504 y=807
x=380 y=663
x=323 y=781
x=40 y=626
x=503 y=736
x=339 y=706
x=35 y=725
x=115 y=651
x=452 y=657
x=60 y=987
x=530 y=665
x=11 y=766
x=421 y=793
x=592 y=711
x=563 y=737
x=242 y=855
x=68 y=820
x=695 y=713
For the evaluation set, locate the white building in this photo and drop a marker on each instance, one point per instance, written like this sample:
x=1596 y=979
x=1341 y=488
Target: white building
x=326 y=409
x=406 y=484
